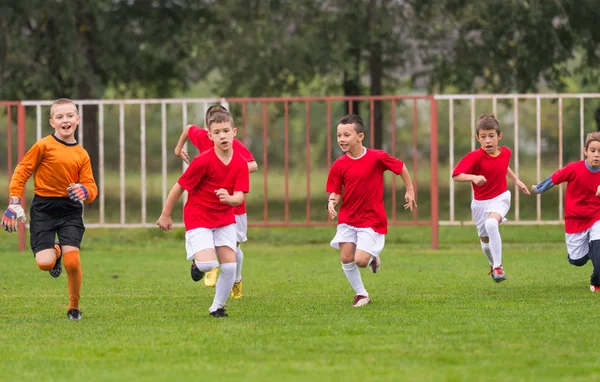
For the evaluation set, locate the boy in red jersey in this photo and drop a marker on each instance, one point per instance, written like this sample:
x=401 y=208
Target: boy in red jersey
x=582 y=207
x=63 y=180
x=362 y=222
x=487 y=169
x=216 y=180
x=199 y=138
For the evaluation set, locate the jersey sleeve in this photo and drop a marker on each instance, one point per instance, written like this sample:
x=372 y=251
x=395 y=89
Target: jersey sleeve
x=193 y=175
x=334 y=180
x=466 y=165
x=242 y=181
x=86 y=178
x=565 y=174
x=199 y=138
x=243 y=150
x=395 y=165
x=24 y=169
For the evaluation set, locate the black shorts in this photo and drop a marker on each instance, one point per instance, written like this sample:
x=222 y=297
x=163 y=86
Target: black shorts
x=51 y=216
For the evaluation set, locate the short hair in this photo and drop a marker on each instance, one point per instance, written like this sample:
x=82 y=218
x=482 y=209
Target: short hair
x=592 y=137
x=213 y=109
x=219 y=116
x=488 y=122
x=353 y=119
x=61 y=101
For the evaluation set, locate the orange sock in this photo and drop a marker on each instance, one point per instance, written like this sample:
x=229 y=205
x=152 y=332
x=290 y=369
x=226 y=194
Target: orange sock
x=73 y=267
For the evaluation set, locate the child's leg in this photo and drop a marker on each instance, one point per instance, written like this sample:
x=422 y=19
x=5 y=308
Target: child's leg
x=485 y=247
x=594 y=254
x=493 y=231
x=228 y=266
x=347 y=252
x=241 y=227
x=578 y=248
x=369 y=245
x=75 y=276
x=239 y=259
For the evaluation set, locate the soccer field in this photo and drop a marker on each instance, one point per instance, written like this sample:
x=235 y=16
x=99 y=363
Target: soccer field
x=435 y=316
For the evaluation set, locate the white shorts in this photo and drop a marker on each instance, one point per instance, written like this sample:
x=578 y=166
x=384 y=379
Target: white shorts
x=365 y=239
x=241 y=226
x=481 y=210
x=199 y=239
x=578 y=244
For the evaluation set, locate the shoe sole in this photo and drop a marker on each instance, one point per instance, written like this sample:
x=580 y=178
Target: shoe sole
x=363 y=302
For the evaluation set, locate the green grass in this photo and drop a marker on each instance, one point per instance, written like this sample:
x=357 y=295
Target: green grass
x=435 y=316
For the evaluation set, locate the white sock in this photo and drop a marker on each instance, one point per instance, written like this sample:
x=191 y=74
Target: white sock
x=353 y=276
x=486 y=251
x=491 y=226
x=206 y=266
x=224 y=285
x=239 y=259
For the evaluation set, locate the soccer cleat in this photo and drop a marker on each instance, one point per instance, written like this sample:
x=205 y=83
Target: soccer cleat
x=74 y=314
x=211 y=278
x=360 y=300
x=219 y=313
x=57 y=268
x=196 y=273
x=594 y=288
x=498 y=274
x=236 y=291
x=375 y=264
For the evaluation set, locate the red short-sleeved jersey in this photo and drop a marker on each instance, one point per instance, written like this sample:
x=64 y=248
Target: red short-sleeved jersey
x=360 y=182
x=206 y=174
x=199 y=138
x=494 y=168
x=582 y=206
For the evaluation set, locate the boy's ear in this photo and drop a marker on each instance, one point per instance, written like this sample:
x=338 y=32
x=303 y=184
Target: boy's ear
x=361 y=136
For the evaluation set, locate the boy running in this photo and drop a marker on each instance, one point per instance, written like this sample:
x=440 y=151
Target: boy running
x=63 y=181
x=216 y=180
x=357 y=179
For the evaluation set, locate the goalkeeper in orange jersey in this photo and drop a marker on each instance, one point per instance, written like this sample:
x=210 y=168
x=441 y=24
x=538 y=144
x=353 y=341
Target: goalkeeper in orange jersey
x=63 y=181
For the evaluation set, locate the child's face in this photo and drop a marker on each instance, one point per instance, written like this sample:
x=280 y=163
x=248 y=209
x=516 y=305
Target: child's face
x=592 y=153
x=222 y=135
x=489 y=140
x=64 y=120
x=348 y=138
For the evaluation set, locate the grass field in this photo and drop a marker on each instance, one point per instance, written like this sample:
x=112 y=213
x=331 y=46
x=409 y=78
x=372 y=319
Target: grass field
x=435 y=316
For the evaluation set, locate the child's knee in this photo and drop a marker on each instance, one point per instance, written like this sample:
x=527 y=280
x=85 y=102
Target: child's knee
x=491 y=225
x=45 y=266
x=205 y=266
x=72 y=260
x=578 y=262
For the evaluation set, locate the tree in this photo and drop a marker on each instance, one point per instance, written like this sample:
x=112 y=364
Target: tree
x=78 y=49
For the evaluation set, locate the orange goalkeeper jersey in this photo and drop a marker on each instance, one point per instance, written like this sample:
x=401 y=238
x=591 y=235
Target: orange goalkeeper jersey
x=56 y=164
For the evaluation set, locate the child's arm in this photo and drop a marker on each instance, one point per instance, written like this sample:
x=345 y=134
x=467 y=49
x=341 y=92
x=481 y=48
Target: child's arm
x=235 y=200
x=179 y=151
x=252 y=166
x=164 y=221
x=544 y=185
x=518 y=182
x=410 y=190
x=334 y=200
x=478 y=180
x=86 y=190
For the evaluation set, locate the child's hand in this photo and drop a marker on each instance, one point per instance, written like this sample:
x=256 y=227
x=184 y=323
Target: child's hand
x=184 y=156
x=77 y=192
x=223 y=195
x=165 y=223
x=410 y=200
x=534 y=188
x=11 y=217
x=331 y=209
x=523 y=187
x=479 y=180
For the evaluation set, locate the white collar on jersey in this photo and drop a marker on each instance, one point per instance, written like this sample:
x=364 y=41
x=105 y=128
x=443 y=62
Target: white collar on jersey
x=362 y=155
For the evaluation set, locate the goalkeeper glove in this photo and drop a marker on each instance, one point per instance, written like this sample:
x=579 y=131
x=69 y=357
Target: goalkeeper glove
x=12 y=215
x=77 y=192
